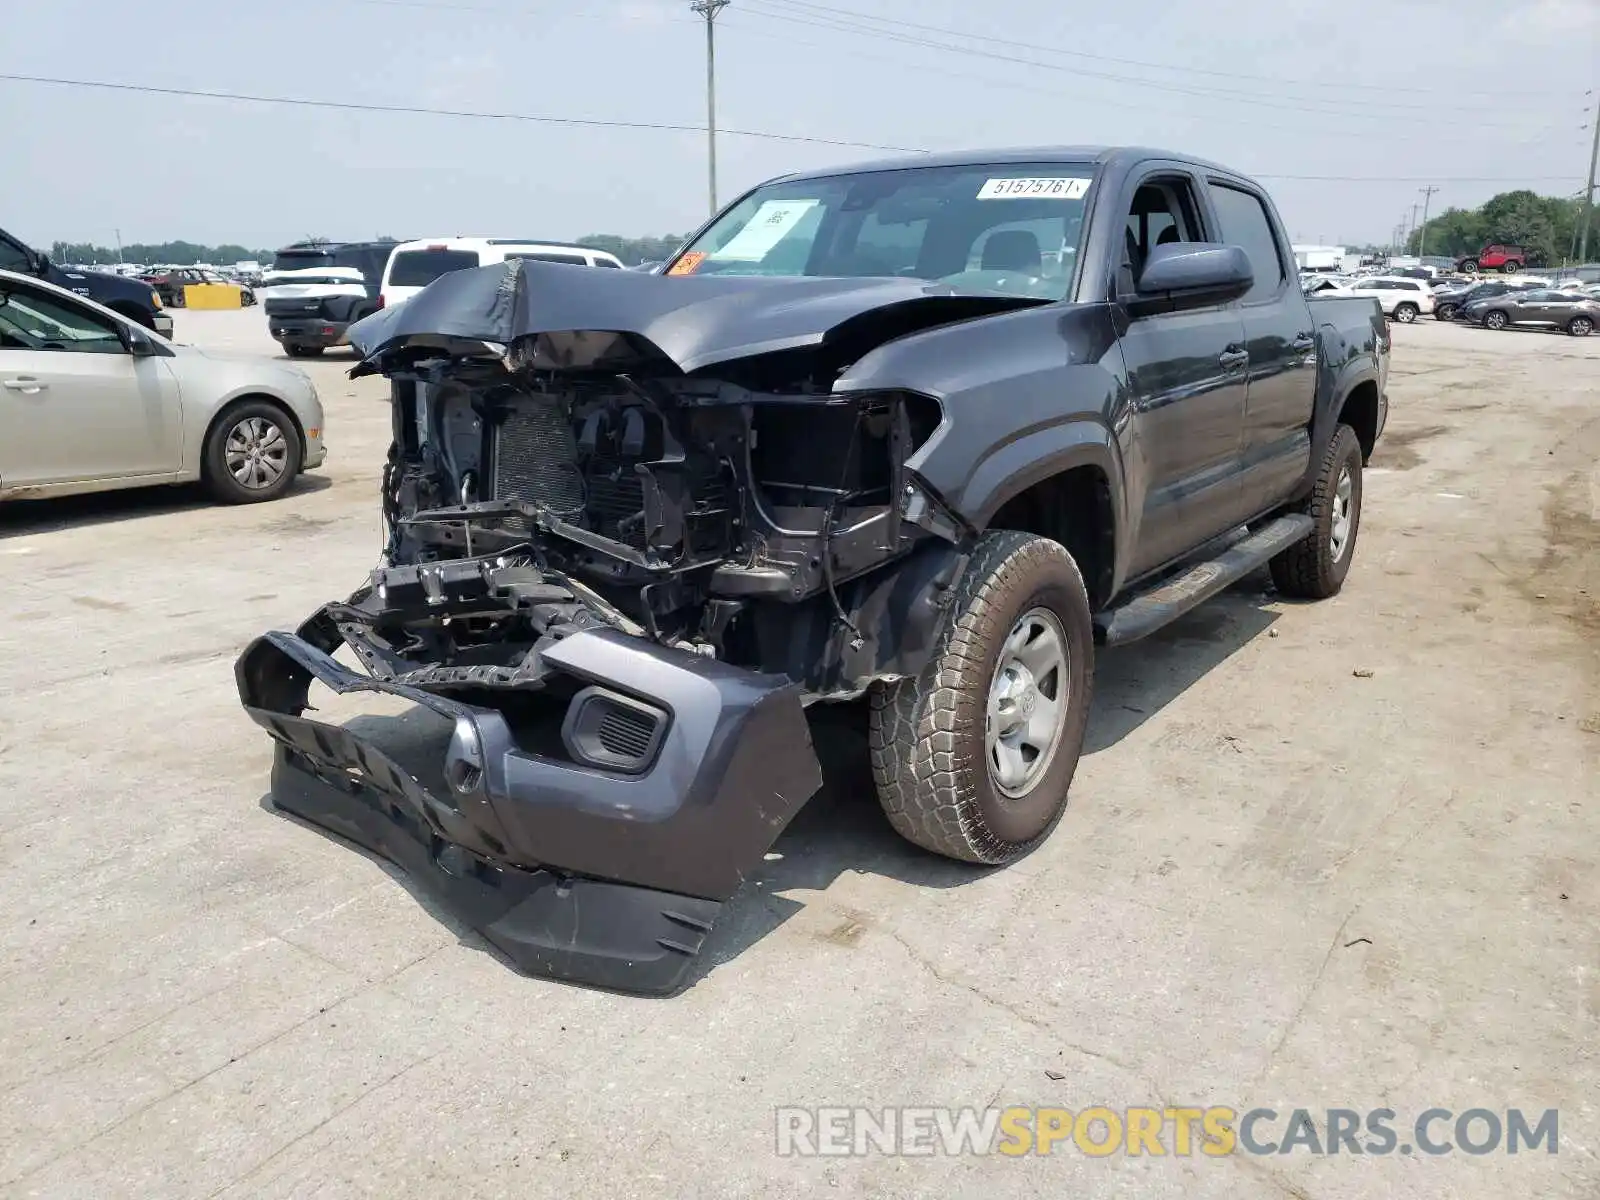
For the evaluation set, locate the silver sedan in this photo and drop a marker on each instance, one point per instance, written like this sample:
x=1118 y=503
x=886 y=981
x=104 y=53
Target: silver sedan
x=91 y=401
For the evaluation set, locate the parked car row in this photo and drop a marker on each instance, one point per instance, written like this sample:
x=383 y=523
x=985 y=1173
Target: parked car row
x=171 y=283
x=1495 y=303
x=315 y=291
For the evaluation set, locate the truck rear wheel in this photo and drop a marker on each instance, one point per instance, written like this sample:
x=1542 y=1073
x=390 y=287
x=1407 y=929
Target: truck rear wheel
x=973 y=758
x=1314 y=568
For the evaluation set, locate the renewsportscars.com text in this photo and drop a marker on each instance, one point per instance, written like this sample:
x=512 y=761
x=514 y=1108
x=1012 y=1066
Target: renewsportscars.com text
x=1211 y=1131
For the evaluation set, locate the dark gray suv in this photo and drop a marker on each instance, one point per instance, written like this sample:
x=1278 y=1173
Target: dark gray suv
x=1571 y=311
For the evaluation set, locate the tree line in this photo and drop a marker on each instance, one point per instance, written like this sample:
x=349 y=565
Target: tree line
x=183 y=254
x=1547 y=226
x=630 y=250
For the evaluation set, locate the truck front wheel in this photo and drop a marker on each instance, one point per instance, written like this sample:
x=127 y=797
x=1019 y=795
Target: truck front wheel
x=973 y=758
x=1314 y=567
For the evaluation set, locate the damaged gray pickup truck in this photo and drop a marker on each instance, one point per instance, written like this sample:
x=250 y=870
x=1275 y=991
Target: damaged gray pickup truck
x=924 y=432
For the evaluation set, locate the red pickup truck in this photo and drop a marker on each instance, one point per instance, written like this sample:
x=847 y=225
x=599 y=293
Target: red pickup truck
x=1494 y=257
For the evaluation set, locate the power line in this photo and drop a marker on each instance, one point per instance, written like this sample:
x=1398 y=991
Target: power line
x=673 y=127
x=990 y=81
x=1133 y=62
x=418 y=110
x=1222 y=95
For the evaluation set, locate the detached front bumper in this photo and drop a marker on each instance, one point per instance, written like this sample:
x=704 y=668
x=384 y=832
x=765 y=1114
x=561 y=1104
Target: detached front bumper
x=576 y=873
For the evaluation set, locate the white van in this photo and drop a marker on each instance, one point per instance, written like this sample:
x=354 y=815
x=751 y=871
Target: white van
x=414 y=265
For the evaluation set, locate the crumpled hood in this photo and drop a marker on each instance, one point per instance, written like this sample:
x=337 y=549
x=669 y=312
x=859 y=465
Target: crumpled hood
x=570 y=316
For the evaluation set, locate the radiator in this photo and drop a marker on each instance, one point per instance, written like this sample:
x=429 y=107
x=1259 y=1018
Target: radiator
x=536 y=458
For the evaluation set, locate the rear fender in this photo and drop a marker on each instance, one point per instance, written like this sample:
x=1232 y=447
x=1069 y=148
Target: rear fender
x=1357 y=371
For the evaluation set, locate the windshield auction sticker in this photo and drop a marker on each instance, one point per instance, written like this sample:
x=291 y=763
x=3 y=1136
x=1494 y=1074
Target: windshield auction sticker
x=771 y=223
x=1031 y=189
x=688 y=264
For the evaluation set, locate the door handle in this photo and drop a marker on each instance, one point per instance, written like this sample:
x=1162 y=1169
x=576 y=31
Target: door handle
x=1302 y=343
x=1233 y=356
x=26 y=384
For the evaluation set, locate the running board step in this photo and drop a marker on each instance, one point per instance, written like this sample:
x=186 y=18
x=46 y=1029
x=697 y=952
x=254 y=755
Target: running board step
x=1148 y=611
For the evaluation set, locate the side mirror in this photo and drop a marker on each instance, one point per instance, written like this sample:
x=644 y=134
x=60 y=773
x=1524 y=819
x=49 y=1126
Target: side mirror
x=137 y=342
x=1196 y=273
x=40 y=261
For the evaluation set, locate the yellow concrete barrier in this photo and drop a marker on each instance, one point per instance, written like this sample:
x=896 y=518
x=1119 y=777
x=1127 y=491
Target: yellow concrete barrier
x=211 y=295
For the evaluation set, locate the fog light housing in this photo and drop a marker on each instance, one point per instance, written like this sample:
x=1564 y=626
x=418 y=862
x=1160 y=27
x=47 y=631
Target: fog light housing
x=612 y=731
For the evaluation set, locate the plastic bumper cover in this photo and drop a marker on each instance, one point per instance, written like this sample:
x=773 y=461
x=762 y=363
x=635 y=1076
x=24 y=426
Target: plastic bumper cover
x=575 y=873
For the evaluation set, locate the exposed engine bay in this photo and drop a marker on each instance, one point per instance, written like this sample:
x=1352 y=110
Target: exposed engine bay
x=521 y=504
x=633 y=526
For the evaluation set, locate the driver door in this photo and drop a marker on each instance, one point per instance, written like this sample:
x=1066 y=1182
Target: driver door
x=75 y=405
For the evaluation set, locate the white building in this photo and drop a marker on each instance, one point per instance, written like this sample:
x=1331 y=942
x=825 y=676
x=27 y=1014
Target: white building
x=1319 y=258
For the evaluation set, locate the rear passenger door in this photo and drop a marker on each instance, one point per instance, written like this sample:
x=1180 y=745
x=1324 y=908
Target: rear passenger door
x=1280 y=336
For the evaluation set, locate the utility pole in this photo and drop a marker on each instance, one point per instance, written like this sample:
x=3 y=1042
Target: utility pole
x=709 y=10
x=1427 y=198
x=1588 y=191
x=118 y=232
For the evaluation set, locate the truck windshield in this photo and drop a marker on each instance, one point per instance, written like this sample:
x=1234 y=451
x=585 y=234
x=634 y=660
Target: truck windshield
x=1012 y=229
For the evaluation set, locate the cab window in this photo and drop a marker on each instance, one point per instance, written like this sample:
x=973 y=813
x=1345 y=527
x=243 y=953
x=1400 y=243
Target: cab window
x=1163 y=211
x=1245 y=223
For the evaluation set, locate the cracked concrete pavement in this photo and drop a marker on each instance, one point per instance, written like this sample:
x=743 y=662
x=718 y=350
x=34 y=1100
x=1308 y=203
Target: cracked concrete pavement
x=1280 y=883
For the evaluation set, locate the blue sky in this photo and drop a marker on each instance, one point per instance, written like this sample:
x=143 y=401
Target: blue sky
x=1477 y=96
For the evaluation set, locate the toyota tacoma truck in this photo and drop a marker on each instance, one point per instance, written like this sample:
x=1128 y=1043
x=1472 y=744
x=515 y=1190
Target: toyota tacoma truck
x=922 y=433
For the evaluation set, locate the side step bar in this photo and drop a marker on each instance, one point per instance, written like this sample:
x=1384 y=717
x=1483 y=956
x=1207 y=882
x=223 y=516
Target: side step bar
x=1147 y=612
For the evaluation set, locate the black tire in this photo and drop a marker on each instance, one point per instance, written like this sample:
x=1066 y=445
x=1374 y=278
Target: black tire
x=1496 y=318
x=1405 y=312
x=1444 y=312
x=1580 y=326
x=215 y=471
x=1510 y=268
x=930 y=758
x=1469 y=266
x=1311 y=569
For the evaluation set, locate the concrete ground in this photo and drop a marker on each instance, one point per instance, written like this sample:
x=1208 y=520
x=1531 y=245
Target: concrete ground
x=1338 y=855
